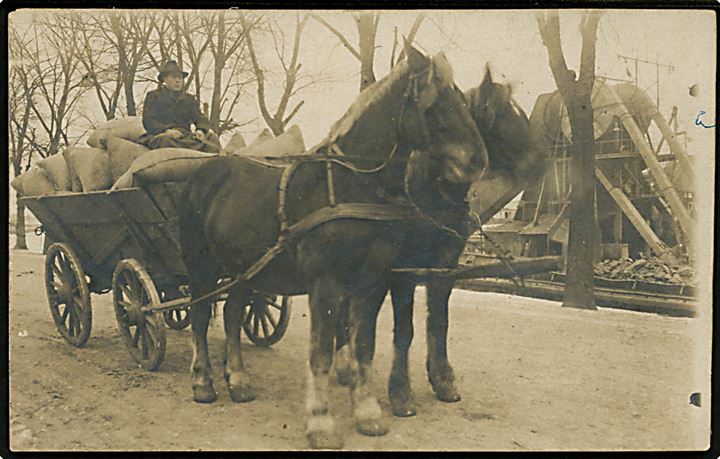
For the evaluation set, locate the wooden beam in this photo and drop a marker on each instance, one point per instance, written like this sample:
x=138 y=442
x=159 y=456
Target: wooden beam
x=657 y=245
x=667 y=188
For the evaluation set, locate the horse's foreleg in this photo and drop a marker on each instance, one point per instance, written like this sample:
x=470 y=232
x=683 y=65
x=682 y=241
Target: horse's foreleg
x=439 y=371
x=343 y=365
x=235 y=375
x=402 y=399
x=325 y=298
x=363 y=318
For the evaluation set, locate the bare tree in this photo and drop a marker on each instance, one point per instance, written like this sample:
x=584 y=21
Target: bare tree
x=52 y=59
x=21 y=90
x=279 y=120
x=576 y=94
x=366 y=25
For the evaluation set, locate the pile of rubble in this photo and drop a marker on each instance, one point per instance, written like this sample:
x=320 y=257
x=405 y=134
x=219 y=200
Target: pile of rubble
x=650 y=269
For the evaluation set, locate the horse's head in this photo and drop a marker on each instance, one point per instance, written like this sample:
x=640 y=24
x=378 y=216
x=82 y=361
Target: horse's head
x=437 y=121
x=503 y=125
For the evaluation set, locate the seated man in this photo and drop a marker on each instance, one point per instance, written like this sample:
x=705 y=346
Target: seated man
x=168 y=113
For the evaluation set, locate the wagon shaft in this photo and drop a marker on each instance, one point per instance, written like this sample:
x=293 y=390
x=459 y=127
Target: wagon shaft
x=496 y=268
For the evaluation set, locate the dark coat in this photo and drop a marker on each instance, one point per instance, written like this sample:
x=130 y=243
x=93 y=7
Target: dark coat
x=165 y=109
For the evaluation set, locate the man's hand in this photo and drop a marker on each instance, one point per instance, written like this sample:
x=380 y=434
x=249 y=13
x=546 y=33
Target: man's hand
x=200 y=135
x=172 y=133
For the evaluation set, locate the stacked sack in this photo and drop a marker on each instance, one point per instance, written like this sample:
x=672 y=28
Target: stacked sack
x=288 y=143
x=116 y=160
x=113 y=147
x=47 y=177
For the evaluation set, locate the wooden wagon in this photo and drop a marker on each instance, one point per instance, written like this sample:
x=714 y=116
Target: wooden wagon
x=127 y=241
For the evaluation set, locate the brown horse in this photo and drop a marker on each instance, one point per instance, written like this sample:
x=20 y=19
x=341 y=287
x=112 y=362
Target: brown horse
x=506 y=132
x=232 y=219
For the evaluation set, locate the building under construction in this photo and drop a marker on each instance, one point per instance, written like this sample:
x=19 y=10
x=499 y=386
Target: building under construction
x=644 y=180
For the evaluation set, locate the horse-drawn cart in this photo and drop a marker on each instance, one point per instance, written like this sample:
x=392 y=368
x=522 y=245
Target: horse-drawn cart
x=127 y=241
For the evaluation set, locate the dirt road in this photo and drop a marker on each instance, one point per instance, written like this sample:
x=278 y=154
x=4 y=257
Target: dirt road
x=532 y=375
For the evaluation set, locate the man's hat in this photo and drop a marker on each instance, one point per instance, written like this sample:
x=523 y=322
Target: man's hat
x=171 y=67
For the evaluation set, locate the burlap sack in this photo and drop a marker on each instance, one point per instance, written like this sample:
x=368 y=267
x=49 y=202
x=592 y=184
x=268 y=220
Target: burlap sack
x=162 y=165
x=75 y=184
x=236 y=142
x=128 y=128
x=122 y=153
x=288 y=143
x=37 y=182
x=263 y=137
x=16 y=183
x=92 y=167
x=57 y=169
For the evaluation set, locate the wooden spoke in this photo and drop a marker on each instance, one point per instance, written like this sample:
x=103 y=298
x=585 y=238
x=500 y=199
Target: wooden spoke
x=264 y=325
x=128 y=294
x=65 y=314
x=145 y=343
x=271 y=319
x=279 y=307
x=256 y=324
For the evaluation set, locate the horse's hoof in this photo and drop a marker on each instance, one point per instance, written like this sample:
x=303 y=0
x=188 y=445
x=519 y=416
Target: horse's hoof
x=403 y=407
x=241 y=394
x=204 y=394
x=321 y=433
x=372 y=427
x=369 y=419
x=447 y=393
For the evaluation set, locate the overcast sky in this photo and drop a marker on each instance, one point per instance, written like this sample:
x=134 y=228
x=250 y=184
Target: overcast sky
x=510 y=42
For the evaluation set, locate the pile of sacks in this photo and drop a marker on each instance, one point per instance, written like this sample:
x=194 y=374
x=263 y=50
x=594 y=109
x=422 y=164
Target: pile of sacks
x=288 y=143
x=649 y=269
x=116 y=160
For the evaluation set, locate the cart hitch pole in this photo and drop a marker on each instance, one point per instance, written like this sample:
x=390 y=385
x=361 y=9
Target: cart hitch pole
x=519 y=266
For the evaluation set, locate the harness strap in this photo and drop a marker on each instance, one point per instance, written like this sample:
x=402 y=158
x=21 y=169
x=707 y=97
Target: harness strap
x=330 y=184
x=282 y=198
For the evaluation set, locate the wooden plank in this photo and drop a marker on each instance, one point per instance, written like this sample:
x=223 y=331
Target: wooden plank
x=65 y=233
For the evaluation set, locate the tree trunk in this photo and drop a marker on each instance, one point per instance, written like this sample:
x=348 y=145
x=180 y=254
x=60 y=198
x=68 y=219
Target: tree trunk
x=217 y=75
x=20 y=241
x=367 y=28
x=583 y=238
x=130 y=94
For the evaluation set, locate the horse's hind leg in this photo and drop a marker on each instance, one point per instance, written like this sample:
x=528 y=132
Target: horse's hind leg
x=440 y=373
x=402 y=400
x=235 y=375
x=325 y=299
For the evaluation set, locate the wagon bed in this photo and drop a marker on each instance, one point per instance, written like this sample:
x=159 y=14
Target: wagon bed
x=104 y=227
x=128 y=241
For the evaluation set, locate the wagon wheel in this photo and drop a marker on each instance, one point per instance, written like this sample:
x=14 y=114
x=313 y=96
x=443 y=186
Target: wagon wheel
x=68 y=294
x=265 y=319
x=141 y=330
x=177 y=319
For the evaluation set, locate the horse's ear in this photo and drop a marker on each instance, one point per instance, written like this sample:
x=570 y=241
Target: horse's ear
x=487 y=79
x=443 y=69
x=416 y=60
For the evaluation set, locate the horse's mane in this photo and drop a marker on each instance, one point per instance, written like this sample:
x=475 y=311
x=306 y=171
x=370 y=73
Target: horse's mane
x=367 y=99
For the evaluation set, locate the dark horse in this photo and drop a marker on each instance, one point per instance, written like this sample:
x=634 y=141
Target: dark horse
x=506 y=131
x=232 y=219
